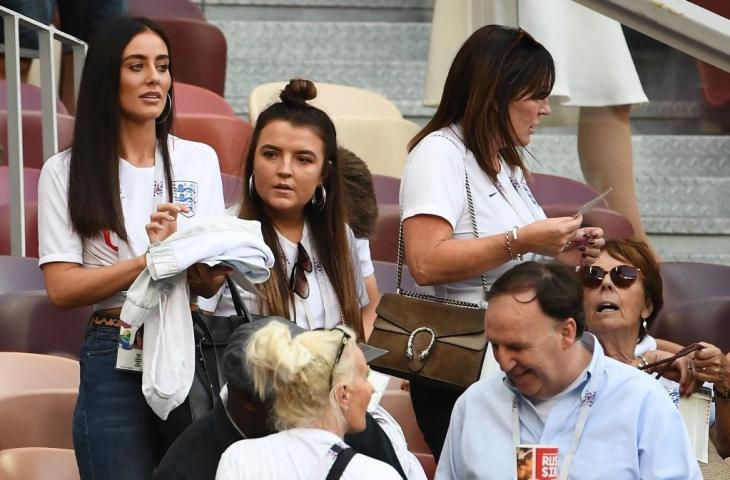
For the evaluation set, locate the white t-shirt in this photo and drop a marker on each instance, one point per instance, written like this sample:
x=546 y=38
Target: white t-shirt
x=296 y=454
x=433 y=184
x=309 y=312
x=196 y=183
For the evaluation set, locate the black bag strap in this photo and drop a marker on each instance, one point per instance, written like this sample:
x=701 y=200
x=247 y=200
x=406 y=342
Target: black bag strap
x=237 y=302
x=344 y=455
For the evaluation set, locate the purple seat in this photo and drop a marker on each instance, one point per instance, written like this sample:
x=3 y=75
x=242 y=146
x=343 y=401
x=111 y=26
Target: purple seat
x=614 y=225
x=384 y=243
x=30 y=184
x=703 y=320
x=385 y=274
x=194 y=99
x=232 y=186
x=165 y=9
x=32 y=137
x=387 y=189
x=555 y=190
x=30 y=323
x=31 y=229
x=30 y=98
x=689 y=281
x=20 y=273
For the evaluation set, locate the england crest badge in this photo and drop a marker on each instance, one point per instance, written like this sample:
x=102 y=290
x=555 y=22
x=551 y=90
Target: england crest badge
x=187 y=194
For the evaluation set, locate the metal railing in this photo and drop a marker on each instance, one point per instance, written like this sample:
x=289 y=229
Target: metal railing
x=46 y=35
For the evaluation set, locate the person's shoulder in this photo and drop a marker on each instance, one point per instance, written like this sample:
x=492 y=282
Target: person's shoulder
x=366 y=467
x=628 y=378
x=442 y=140
x=483 y=392
x=182 y=147
x=58 y=163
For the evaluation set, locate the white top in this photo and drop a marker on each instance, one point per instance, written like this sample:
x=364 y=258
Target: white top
x=433 y=184
x=196 y=183
x=321 y=308
x=633 y=431
x=296 y=454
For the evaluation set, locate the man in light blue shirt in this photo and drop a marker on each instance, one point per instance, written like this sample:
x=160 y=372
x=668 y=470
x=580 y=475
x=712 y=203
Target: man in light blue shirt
x=609 y=420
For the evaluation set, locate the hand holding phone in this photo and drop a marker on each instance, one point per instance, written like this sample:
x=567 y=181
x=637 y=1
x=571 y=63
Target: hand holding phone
x=592 y=203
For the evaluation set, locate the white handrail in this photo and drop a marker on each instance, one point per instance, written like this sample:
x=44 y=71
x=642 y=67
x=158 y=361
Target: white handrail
x=678 y=23
x=46 y=35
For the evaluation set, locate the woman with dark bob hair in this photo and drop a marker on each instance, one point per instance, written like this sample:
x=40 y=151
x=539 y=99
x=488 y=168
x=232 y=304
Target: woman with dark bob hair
x=469 y=157
x=125 y=183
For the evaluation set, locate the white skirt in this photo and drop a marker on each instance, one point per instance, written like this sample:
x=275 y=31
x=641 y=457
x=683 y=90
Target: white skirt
x=592 y=61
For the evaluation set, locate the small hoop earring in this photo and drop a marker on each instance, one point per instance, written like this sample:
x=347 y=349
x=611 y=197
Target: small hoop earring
x=319 y=203
x=169 y=110
x=251 y=187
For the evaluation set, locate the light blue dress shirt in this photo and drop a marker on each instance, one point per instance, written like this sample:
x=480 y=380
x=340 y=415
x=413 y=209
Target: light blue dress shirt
x=633 y=430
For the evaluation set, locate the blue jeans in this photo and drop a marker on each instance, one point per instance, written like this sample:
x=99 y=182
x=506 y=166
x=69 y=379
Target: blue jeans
x=116 y=435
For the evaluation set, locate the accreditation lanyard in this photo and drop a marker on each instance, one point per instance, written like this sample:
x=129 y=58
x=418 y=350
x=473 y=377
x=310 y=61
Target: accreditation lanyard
x=587 y=399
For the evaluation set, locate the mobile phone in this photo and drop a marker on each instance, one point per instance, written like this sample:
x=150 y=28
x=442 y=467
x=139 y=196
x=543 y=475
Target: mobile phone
x=592 y=203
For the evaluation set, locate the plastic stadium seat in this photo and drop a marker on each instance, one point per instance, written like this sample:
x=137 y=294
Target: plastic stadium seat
x=165 y=9
x=336 y=100
x=30 y=98
x=194 y=99
x=32 y=137
x=38 y=463
x=199 y=52
x=384 y=244
x=31 y=229
x=229 y=137
x=381 y=142
x=29 y=322
x=20 y=273
x=231 y=189
x=387 y=189
x=23 y=372
x=689 y=281
x=555 y=190
x=702 y=320
x=428 y=463
x=614 y=225
x=385 y=274
x=39 y=418
x=30 y=183
x=398 y=404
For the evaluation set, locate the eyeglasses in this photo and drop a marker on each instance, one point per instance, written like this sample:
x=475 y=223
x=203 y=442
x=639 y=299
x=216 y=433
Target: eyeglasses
x=345 y=337
x=298 y=281
x=621 y=275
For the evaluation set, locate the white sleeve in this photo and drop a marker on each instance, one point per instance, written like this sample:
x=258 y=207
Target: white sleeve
x=408 y=462
x=228 y=467
x=57 y=240
x=357 y=266
x=433 y=181
x=212 y=187
x=362 y=246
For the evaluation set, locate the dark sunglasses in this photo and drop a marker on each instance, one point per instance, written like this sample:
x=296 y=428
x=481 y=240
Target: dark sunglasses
x=622 y=275
x=345 y=337
x=298 y=280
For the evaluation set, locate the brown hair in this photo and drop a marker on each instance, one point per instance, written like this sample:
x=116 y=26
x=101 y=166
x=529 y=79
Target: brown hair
x=327 y=227
x=360 y=201
x=640 y=255
x=495 y=66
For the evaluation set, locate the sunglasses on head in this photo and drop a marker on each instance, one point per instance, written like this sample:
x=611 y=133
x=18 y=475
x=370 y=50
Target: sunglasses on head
x=622 y=275
x=298 y=280
x=345 y=337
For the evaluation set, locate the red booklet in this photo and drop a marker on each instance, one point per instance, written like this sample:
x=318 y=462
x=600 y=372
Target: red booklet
x=537 y=462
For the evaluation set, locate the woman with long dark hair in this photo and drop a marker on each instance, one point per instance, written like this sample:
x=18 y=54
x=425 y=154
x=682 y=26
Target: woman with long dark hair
x=124 y=183
x=494 y=96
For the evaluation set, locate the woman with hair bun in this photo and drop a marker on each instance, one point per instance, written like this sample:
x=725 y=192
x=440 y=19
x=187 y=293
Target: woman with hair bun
x=319 y=384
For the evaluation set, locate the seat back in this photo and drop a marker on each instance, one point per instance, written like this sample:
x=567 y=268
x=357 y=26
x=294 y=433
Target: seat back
x=30 y=183
x=689 y=281
x=30 y=98
x=200 y=49
x=381 y=142
x=38 y=463
x=195 y=99
x=29 y=322
x=704 y=320
x=553 y=189
x=229 y=137
x=398 y=404
x=32 y=136
x=385 y=274
x=384 y=243
x=165 y=9
x=20 y=273
x=22 y=372
x=387 y=189
x=31 y=229
x=336 y=100
x=38 y=418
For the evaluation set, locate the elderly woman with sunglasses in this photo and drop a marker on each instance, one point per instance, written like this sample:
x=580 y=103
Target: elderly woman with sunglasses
x=622 y=296
x=319 y=383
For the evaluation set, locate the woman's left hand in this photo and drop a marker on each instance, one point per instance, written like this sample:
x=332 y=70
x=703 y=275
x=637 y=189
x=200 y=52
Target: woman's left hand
x=711 y=365
x=584 y=247
x=206 y=281
x=679 y=371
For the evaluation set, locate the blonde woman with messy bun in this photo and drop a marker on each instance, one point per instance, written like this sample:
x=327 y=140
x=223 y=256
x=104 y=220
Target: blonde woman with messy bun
x=319 y=384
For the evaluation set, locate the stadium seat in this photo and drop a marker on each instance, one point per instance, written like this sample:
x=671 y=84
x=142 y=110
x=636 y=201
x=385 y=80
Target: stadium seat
x=30 y=183
x=29 y=322
x=20 y=273
x=385 y=274
x=38 y=418
x=428 y=463
x=398 y=404
x=387 y=189
x=30 y=98
x=384 y=244
x=23 y=372
x=702 y=320
x=38 y=463
x=690 y=281
x=33 y=137
x=614 y=225
x=229 y=137
x=194 y=99
x=336 y=100
x=198 y=51
x=165 y=9
x=31 y=229
x=556 y=190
